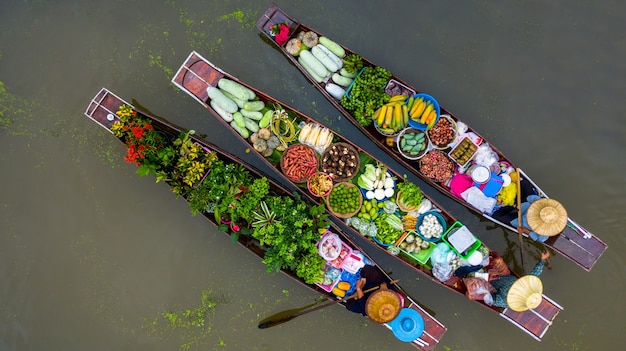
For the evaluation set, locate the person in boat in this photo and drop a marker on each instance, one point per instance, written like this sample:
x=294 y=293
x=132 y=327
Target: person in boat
x=504 y=284
x=370 y=277
x=541 y=217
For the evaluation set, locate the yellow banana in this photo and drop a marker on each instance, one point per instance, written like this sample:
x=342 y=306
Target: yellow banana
x=397 y=98
x=426 y=112
x=418 y=108
x=397 y=116
x=388 y=115
x=381 y=115
x=405 y=116
x=409 y=104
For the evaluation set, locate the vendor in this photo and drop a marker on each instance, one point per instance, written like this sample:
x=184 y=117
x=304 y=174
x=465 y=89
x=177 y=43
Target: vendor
x=541 y=217
x=504 y=284
x=370 y=277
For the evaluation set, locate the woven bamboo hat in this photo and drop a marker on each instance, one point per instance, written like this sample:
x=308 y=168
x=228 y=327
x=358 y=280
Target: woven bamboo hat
x=546 y=217
x=525 y=293
x=383 y=305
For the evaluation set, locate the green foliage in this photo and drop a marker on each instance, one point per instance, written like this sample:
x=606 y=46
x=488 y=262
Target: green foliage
x=192 y=324
x=411 y=194
x=367 y=94
x=250 y=199
x=291 y=237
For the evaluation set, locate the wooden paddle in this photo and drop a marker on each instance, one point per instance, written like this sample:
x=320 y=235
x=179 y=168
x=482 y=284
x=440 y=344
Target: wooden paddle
x=519 y=220
x=520 y=224
x=286 y=316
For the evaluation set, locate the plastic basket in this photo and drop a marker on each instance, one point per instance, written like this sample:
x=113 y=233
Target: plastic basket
x=441 y=221
x=423 y=256
x=352 y=84
x=466 y=252
x=423 y=126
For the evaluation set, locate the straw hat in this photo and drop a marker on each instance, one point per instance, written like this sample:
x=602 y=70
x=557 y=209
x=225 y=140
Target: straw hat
x=525 y=293
x=383 y=305
x=546 y=217
x=408 y=325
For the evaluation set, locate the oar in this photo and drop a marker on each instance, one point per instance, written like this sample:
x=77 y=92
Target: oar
x=519 y=217
x=286 y=316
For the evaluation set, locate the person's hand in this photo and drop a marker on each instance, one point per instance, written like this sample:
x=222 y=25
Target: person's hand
x=545 y=255
x=523 y=230
x=360 y=284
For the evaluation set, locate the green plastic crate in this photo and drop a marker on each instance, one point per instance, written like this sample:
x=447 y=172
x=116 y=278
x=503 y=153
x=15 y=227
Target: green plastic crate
x=467 y=252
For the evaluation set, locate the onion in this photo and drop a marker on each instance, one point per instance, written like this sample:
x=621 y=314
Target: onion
x=379 y=194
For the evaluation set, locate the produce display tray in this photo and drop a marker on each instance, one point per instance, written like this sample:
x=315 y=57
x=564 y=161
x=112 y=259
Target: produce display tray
x=330 y=287
x=458 y=145
x=396 y=88
x=352 y=84
x=461 y=240
x=424 y=254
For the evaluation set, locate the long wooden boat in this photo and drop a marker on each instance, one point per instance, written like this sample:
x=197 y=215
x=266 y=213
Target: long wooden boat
x=574 y=242
x=102 y=110
x=197 y=75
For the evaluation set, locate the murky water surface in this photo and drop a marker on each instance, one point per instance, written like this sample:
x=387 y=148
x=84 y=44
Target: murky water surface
x=92 y=255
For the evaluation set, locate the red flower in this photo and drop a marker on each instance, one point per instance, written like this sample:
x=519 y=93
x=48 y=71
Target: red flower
x=283 y=35
x=138 y=132
x=147 y=126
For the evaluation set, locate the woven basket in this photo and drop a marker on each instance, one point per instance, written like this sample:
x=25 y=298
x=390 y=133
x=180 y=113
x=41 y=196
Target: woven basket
x=344 y=215
x=324 y=165
x=309 y=150
x=402 y=206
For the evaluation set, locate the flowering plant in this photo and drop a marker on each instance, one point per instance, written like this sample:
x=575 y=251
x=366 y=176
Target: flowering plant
x=143 y=142
x=193 y=161
x=281 y=32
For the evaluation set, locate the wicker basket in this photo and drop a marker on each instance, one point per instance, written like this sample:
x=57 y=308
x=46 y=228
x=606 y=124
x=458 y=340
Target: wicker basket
x=328 y=158
x=402 y=206
x=312 y=169
x=344 y=215
x=454 y=130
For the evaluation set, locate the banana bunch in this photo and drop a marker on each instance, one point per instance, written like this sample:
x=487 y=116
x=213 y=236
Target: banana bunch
x=392 y=116
x=315 y=136
x=422 y=111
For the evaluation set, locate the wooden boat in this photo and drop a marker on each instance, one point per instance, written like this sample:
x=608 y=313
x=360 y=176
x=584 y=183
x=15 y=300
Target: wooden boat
x=102 y=110
x=197 y=75
x=574 y=242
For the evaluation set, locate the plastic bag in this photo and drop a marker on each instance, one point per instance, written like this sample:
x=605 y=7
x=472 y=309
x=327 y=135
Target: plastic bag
x=477 y=288
x=390 y=207
x=479 y=200
x=439 y=254
x=485 y=156
x=442 y=272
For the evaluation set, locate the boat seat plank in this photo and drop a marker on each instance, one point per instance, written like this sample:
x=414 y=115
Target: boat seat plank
x=528 y=320
x=572 y=247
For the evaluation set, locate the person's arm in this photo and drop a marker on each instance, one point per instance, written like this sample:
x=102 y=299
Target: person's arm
x=359 y=287
x=538 y=269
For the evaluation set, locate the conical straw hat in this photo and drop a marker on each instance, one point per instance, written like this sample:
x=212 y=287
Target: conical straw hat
x=383 y=306
x=546 y=217
x=525 y=294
